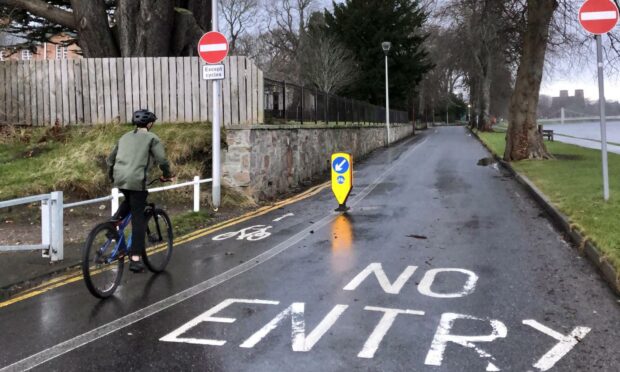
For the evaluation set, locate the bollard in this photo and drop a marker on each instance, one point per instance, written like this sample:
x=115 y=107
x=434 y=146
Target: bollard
x=196 y=194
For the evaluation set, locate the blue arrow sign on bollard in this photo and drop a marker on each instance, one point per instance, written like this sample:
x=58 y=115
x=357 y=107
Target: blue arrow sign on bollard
x=340 y=165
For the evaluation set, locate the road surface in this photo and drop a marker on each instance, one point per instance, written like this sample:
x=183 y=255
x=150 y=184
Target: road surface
x=440 y=265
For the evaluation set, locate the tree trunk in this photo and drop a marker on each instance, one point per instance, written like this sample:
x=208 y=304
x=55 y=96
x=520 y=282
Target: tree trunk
x=485 y=95
x=523 y=141
x=91 y=22
x=186 y=33
x=145 y=27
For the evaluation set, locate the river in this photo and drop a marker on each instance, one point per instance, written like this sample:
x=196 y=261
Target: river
x=587 y=134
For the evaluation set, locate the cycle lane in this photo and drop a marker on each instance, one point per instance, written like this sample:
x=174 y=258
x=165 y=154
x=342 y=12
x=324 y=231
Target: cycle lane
x=494 y=291
x=68 y=311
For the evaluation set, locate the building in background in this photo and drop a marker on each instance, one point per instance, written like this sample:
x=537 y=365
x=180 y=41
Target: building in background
x=58 y=48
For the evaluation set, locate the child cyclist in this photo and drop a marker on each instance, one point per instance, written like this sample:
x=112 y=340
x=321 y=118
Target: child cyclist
x=128 y=166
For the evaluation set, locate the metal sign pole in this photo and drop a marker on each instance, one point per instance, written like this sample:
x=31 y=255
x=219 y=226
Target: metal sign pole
x=215 y=165
x=601 y=98
x=387 y=100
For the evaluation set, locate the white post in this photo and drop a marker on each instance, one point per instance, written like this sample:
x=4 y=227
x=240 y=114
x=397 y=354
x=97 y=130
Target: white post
x=215 y=166
x=115 y=198
x=601 y=99
x=387 y=100
x=562 y=115
x=46 y=225
x=57 y=228
x=196 y=194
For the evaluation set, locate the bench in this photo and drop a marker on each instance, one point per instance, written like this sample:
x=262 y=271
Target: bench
x=546 y=133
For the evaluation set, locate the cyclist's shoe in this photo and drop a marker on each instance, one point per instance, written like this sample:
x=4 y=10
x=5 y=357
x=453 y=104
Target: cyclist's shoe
x=136 y=266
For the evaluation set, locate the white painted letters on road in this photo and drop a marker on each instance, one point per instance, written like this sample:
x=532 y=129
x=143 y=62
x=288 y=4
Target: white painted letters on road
x=373 y=342
x=300 y=342
x=428 y=279
x=384 y=282
x=207 y=316
x=425 y=284
x=565 y=344
x=443 y=337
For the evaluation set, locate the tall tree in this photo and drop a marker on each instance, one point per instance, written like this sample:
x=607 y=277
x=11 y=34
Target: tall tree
x=111 y=28
x=523 y=141
x=361 y=26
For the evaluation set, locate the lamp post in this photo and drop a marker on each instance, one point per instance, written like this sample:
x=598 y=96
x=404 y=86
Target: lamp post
x=386 y=45
x=468 y=114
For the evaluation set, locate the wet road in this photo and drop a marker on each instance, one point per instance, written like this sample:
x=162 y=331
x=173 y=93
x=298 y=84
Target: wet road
x=440 y=265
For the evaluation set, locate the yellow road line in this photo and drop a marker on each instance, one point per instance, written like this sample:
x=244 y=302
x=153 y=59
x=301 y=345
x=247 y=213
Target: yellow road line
x=76 y=275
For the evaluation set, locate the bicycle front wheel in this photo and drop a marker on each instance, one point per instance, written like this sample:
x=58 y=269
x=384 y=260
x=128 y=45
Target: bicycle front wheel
x=102 y=269
x=158 y=247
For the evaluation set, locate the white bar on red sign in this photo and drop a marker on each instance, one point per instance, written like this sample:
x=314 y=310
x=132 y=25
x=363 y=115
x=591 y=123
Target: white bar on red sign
x=213 y=48
x=595 y=16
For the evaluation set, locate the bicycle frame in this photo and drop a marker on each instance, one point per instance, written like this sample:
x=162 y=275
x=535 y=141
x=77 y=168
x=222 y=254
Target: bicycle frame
x=121 y=241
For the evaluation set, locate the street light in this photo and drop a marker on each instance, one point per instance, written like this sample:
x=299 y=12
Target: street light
x=386 y=45
x=468 y=114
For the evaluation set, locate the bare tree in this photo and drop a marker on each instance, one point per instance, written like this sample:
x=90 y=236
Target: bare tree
x=326 y=63
x=287 y=23
x=237 y=15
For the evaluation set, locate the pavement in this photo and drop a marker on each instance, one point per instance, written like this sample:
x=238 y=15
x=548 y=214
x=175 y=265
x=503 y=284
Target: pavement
x=440 y=265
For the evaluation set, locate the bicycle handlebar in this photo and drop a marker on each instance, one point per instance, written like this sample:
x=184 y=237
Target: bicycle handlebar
x=160 y=179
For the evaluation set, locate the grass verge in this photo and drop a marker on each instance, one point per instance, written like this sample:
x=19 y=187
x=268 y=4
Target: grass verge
x=72 y=159
x=573 y=183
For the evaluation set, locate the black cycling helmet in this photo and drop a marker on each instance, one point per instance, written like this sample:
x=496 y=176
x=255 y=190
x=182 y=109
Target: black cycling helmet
x=142 y=118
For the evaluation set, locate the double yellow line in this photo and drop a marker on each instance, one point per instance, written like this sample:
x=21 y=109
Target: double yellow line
x=76 y=274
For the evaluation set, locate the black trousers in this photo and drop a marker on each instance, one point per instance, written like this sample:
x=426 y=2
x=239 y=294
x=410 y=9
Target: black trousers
x=135 y=202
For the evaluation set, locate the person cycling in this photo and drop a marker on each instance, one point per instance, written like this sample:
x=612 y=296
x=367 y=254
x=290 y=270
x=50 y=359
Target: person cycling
x=128 y=166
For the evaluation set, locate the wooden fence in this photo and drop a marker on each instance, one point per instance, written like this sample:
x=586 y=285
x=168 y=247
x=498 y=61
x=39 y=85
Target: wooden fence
x=107 y=90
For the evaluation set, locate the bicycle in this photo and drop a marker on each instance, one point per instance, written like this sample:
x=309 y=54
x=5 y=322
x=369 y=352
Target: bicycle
x=103 y=256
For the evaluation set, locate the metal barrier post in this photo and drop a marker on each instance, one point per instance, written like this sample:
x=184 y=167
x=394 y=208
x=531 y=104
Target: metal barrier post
x=57 y=242
x=115 y=197
x=196 y=194
x=46 y=226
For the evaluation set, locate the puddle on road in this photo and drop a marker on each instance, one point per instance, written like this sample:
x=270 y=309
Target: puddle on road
x=484 y=162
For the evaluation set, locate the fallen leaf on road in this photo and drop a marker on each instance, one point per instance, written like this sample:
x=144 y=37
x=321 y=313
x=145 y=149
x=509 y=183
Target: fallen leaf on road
x=417 y=236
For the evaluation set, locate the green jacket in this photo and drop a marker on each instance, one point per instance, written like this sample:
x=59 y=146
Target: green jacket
x=133 y=155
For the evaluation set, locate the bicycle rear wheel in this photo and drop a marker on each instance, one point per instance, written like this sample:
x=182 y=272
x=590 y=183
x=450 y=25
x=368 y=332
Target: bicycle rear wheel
x=158 y=242
x=102 y=272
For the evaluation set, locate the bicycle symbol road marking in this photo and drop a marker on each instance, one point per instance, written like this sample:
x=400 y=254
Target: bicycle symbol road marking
x=252 y=233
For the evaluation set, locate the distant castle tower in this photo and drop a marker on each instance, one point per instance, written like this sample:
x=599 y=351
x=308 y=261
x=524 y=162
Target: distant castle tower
x=574 y=103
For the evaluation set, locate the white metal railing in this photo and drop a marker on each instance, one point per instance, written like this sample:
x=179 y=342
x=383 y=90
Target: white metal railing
x=51 y=225
x=52 y=206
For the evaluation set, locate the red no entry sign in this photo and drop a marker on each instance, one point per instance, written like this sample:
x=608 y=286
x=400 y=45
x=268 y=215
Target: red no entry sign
x=213 y=47
x=598 y=16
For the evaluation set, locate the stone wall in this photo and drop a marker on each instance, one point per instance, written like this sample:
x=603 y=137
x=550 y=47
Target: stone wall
x=266 y=160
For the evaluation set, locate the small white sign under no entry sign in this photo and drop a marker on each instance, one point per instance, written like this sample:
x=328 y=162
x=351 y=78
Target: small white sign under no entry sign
x=213 y=72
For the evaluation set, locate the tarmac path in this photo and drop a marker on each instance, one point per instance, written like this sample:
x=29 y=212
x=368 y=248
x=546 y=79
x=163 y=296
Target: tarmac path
x=440 y=265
